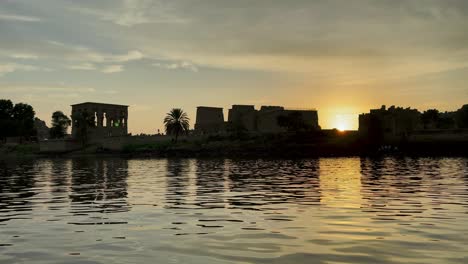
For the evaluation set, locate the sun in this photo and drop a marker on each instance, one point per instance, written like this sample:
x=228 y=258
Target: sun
x=344 y=122
x=341 y=127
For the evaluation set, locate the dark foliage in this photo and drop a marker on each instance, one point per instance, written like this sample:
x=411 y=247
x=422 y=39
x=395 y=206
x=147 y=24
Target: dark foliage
x=60 y=124
x=176 y=122
x=16 y=120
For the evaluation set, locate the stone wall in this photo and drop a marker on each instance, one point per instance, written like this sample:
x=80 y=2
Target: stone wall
x=243 y=116
x=308 y=116
x=267 y=120
x=209 y=120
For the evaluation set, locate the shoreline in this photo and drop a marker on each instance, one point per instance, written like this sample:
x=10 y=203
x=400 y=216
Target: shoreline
x=286 y=146
x=206 y=154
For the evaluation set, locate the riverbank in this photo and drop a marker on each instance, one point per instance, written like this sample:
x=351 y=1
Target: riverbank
x=292 y=145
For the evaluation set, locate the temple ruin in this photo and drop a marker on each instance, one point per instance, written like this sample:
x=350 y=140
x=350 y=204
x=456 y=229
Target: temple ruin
x=110 y=120
x=210 y=119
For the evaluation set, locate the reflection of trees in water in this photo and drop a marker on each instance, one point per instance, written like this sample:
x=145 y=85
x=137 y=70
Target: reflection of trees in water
x=274 y=182
x=99 y=185
x=16 y=188
x=177 y=181
x=210 y=183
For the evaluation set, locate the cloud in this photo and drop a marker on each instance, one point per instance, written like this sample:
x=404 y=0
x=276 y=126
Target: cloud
x=80 y=53
x=130 y=13
x=12 y=67
x=24 y=56
x=83 y=67
x=130 y=56
x=184 y=65
x=45 y=89
x=112 y=69
x=365 y=40
x=19 y=18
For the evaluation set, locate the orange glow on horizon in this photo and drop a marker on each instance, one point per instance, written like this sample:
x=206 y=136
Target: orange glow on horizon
x=344 y=122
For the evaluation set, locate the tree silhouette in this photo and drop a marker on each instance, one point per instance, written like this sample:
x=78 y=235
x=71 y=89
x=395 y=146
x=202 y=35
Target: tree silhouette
x=23 y=117
x=176 y=122
x=60 y=124
x=6 y=118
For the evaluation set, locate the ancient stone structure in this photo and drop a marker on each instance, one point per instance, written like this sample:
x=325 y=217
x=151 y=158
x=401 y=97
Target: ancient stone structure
x=209 y=120
x=267 y=118
x=109 y=119
x=393 y=122
x=243 y=116
x=247 y=118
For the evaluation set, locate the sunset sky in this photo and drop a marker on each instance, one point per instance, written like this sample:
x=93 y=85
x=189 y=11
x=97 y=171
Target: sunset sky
x=341 y=57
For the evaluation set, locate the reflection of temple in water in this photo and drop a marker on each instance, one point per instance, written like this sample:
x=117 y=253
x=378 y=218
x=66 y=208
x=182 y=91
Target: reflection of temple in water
x=16 y=189
x=394 y=185
x=99 y=186
x=210 y=182
x=273 y=182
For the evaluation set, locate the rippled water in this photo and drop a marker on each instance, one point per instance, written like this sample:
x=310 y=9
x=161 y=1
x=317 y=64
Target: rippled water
x=332 y=210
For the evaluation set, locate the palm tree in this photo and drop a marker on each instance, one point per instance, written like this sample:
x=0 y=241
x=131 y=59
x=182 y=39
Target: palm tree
x=176 y=122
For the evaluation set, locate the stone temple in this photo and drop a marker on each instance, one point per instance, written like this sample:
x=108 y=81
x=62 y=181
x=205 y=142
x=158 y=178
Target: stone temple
x=110 y=120
x=210 y=120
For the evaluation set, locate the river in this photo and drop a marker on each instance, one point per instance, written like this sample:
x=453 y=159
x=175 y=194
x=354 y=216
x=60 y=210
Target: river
x=325 y=210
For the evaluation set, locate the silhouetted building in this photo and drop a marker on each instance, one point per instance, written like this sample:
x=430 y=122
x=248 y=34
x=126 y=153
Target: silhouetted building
x=393 y=122
x=247 y=118
x=267 y=118
x=461 y=117
x=243 y=116
x=209 y=120
x=109 y=119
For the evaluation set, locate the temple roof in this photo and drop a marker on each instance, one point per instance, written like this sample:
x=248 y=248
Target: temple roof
x=97 y=104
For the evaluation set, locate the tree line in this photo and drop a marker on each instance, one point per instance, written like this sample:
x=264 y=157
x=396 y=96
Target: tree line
x=16 y=120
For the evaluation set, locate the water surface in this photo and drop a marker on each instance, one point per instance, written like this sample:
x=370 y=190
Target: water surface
x=328 y=210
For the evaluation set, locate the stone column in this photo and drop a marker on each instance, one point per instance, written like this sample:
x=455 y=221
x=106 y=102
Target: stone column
x=100 y=118
x=126 y=121
x=108 y=120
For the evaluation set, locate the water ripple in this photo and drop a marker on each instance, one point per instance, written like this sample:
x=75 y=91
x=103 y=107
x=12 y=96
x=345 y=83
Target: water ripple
x=331 y=210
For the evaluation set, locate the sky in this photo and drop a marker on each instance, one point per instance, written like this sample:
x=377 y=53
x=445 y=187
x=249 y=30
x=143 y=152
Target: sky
x=340 y=57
